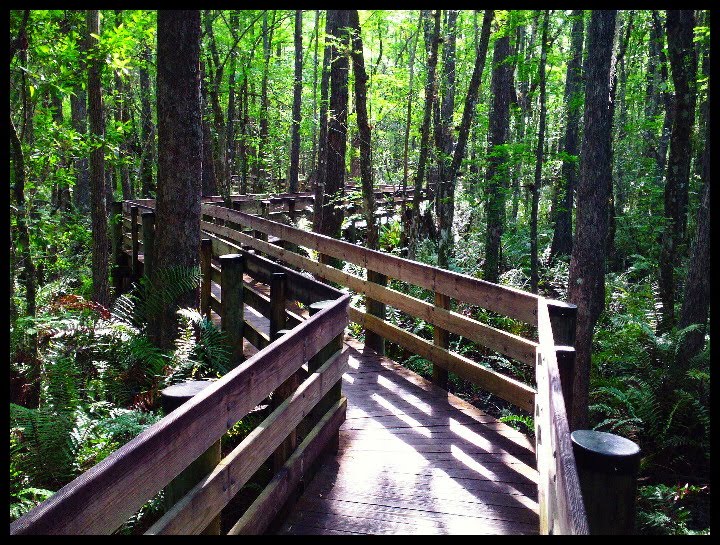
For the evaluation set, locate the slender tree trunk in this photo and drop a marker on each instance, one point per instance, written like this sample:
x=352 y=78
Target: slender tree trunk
x=21 y=217
x=332 y=213
x=122 y=115
x=215 y=73
x=231 y=110
x=497 y=170
x=680 y=24
x=668 y=98
x=430 y=97
x=586 y=285
x=147 y=159
x=408 y=120
x=263 y=153
x=534 y=276
x=313 y=157
x=98 y=211
x=321 y=171
x=445 y=192
x=361 y=79
x=562 y=236
x=180 y=146
x=208 y=179
x=78 y=111
x=297 y=100
x=696 y=302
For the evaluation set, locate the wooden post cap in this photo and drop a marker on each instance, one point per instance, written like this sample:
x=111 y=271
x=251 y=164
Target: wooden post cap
x=602 y=451
x=177 y=394
x=320 y=305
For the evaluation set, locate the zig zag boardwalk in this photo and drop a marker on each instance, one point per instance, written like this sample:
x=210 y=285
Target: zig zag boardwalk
x=414 y=458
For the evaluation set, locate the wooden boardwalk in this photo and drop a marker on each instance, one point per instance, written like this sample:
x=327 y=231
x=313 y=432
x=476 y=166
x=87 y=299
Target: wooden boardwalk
x=415 y=459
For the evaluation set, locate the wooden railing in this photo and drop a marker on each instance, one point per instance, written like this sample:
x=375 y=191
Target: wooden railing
x=300 y=371
x=551 y=356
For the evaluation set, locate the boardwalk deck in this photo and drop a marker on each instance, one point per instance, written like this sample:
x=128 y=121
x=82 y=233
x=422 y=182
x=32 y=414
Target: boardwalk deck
x=415 y=459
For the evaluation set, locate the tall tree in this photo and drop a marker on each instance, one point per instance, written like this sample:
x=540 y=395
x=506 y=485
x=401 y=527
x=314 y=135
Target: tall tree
x=180 y=145
x=332 y=211
x=445 y=191
x=122 y=117
x=147 y=126
x=361 y=78
x=586 y=284
x=537 y=181
x=297 y=100
x=563 y=205
x=500 y=90
x=683 y=66
x=431 y=44
x=98 y=210
x=321 y=171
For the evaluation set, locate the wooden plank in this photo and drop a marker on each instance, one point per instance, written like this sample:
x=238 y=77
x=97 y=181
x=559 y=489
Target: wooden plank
x=508 y=301
x=103 y=498
x=198 y=507
x=266 y=507
x=509 y=389
x=506 y=343
x=565 y=511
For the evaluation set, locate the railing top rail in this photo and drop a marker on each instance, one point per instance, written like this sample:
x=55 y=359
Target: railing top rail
x=570 y=508
x=503 y=299
x=101 y=499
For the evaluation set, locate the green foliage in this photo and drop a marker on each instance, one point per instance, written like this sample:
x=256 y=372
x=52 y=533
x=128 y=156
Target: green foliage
x=666 y=510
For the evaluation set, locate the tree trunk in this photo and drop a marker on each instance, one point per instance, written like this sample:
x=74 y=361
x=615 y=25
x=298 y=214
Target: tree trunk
x=430 y=96
x=586 y=285
x=263 y=162
x=696 y=303
x=180 y=146
x=408 y=120
x=361 y=79
x=562 y=236
x=147 y=159
x=534 y=276
x=98 y=211
x=332 y=211
x=497 y=169
x=297 y=100
x=21 y=217
x=209 y=180
x=321 y=170
x=680 y=24
x=122 y=115
x=445 y=191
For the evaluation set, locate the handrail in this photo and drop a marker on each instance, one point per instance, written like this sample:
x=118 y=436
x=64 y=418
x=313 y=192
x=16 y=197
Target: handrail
x=104 y=497
x=503 y=299
x=560 y=501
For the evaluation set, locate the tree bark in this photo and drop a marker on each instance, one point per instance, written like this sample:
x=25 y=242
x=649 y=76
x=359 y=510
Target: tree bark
x=586 y=285
x=297 y=100
x=180 y=146
x=147 y=158
x=430 y=97
x=562 y=236
x=98 y=211
x=683 y=66
x=332 y=208
x=497 y=170
x=321 y=171
x=445 y=192
x=361 y=79
x=534 y=276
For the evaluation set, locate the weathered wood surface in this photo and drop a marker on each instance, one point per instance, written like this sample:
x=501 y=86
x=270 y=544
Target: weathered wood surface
x=102 y=498
x=415 y=459
x=509 y=301
x=561 y=506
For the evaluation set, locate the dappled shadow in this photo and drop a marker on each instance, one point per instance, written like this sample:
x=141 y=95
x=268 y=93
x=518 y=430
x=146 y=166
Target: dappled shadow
x=415 y=459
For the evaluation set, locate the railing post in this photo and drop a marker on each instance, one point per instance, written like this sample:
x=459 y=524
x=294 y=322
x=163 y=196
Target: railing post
x=277 y=303
x=233 y=312
x=607 y=467
x=119 y=258
x=335 y=391
x=134 y=213
x=206 y=273
x=376 y=308
x=148 y=225
x=285 y=390
x=441 y=338
x=172 y=397
x=563 y=317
